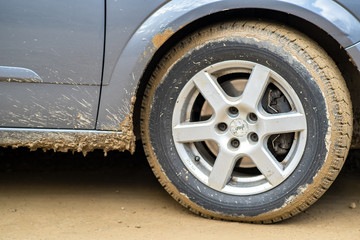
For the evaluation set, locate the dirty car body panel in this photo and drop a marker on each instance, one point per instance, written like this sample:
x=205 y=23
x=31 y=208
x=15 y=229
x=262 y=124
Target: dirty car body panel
x=64 y=49
x=125 y=73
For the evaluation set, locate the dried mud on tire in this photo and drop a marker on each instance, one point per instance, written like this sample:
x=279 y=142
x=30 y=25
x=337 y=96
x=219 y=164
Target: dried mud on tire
x=325 y=76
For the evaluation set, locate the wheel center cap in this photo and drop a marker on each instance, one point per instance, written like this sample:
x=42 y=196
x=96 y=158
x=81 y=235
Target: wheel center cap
x=239 y=128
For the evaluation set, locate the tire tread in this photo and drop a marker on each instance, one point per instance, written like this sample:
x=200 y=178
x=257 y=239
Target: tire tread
x=333 y=86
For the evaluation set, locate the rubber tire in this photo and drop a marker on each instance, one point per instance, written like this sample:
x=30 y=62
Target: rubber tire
x=314 y=77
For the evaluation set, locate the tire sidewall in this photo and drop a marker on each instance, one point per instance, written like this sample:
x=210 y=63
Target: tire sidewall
x=277 y=59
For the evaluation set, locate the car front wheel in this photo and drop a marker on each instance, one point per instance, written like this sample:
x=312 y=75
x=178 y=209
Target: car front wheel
x=247 y=121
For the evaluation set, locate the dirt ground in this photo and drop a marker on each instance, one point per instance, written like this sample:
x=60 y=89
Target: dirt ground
x=64 y=196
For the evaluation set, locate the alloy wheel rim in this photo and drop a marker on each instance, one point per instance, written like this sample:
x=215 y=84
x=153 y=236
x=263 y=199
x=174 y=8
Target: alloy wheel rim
x=240 y=127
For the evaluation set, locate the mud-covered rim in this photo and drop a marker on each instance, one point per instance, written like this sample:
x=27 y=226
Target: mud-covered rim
x=240 y=127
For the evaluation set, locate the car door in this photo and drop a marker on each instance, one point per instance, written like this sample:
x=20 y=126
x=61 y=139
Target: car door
x=51 y=56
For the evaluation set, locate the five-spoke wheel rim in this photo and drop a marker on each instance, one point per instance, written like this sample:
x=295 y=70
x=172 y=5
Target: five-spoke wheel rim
x=240 y=127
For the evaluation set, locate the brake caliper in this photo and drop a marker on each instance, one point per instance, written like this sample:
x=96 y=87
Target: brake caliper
x=274 y=102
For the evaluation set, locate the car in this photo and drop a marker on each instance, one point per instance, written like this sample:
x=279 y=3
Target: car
x=244 y=108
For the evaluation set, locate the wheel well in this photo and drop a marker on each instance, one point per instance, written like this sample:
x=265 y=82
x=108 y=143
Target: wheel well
x=331 y=46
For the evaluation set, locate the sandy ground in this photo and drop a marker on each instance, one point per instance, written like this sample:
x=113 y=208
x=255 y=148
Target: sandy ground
x=65 y=196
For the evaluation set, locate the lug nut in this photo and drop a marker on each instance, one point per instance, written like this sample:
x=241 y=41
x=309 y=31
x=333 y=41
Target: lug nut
x=253 y=117
x=235 y=143
x=254 y=137
x=233 y=110
x=222 y=126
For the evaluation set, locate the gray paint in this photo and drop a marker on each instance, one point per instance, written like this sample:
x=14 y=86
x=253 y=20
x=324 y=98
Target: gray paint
x=47 y=105
x=352 y=6
x=123 y=19
x=328 y=15
x=62 y=41
x=61 y=44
